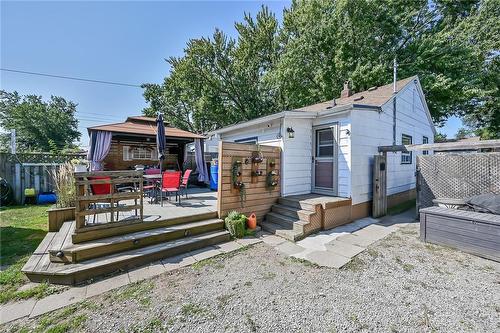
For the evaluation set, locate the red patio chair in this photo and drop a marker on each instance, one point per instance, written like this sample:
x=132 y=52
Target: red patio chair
x=171 y=182
x=185 y=180
x=100 y=189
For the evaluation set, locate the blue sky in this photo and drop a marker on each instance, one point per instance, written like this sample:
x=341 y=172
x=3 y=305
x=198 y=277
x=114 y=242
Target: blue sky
x=112 y=41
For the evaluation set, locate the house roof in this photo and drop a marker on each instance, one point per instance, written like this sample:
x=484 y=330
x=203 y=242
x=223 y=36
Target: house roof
x=143 y=126
x=374 y=97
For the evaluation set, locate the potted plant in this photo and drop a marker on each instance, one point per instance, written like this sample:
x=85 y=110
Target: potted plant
x=235 y=223
x=64 y=182
x=80 y=165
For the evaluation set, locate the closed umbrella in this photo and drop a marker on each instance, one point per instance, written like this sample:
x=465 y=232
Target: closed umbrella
x=160 y=143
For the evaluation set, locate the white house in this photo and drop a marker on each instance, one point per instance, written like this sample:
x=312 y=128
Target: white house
x=328 y=147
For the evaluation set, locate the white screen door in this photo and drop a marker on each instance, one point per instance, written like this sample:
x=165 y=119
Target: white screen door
x=325 y=160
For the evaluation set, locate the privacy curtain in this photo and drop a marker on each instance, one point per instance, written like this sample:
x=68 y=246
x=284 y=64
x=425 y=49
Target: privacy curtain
x=100 y=143
x=201 y=166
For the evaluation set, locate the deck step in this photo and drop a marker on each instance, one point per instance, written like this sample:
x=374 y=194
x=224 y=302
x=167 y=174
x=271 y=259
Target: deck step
x=296 y=203
x=282 y=231
x=79 y=272
x=72 y=253
x=121 y=228
x=293 y=212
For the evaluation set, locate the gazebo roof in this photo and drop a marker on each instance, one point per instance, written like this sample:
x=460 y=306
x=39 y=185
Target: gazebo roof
x=140 y=125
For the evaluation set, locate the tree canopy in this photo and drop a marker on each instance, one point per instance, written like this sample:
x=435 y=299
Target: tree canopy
x=40 y=125
x=453 y=46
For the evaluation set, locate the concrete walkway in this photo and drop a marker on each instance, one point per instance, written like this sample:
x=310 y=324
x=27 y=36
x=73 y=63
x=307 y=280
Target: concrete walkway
x=33 y=308
x=336 y=247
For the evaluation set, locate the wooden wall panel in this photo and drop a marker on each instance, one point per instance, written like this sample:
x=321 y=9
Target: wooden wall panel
x=259 y=197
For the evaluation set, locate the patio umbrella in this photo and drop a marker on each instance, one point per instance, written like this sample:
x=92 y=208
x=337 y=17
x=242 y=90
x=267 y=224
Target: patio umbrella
x=160 y=142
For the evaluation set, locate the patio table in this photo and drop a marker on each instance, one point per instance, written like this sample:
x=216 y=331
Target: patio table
x=153 y=179
x=449 y=202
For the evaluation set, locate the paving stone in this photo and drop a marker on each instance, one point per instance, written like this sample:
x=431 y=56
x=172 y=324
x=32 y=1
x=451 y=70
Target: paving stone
x=205 y=253
x=16 y=310
x=178 y=261
x=248 y=241
x=146 y=272
x=57 y=301
x=303 y=254
x=356 y=240
x=327 y=259
x=289 y=248
x=344 y=249
x=273 y=240
x=102 y=286
x=374 y=232
x=228 y=246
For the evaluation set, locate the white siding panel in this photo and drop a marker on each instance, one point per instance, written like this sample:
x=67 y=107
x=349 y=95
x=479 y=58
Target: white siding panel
x=372 y=129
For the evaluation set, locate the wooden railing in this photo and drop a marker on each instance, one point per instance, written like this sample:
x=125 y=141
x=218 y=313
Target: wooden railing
x=124 y=186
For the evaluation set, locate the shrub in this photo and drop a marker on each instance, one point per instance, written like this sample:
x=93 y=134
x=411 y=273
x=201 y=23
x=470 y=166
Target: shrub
x=236 y=224
x=64 y=182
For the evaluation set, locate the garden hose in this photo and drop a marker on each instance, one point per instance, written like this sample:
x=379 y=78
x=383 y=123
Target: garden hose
x=6 y=193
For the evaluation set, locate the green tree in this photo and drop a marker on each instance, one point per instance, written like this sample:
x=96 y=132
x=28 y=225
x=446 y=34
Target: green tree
x=219 y=81
x=40 y=125
x=452 y=45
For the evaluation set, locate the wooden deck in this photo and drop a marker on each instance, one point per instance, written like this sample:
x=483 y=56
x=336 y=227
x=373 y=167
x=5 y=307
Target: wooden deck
x=165 y=231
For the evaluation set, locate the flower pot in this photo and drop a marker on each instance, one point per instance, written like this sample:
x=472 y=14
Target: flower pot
x=252 y=221
x=57 y=216
x=80 y=168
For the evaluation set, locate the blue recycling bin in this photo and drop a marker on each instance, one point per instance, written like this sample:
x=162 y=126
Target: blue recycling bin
x=214 y=177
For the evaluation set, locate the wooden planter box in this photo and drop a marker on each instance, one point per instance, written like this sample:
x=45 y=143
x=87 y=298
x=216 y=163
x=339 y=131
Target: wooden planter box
x=476 y=233
x=57 y=216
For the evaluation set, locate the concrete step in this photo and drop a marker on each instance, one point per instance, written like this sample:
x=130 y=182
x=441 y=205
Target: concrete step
x=72 y=253
x=75 y=273
x=282 y=231
x=296 y=203
x=301 y=214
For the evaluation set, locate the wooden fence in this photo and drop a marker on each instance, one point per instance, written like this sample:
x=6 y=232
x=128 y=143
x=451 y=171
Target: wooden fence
x=31 y=170
x=249 y=178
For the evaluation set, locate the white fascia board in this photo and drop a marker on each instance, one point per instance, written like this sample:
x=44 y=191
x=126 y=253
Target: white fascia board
x=265 y=119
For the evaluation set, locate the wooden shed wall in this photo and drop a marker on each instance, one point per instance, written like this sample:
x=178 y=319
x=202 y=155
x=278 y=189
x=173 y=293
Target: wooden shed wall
x=259 y=198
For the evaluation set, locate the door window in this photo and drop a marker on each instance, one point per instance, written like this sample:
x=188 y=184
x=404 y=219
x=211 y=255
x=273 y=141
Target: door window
x=324 y=146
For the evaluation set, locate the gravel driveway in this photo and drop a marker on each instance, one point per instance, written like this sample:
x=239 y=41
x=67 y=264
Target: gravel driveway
x=398 y=285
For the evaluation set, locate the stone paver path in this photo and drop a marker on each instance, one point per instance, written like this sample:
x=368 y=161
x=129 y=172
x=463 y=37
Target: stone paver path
x=32 y=308
x=336 y=247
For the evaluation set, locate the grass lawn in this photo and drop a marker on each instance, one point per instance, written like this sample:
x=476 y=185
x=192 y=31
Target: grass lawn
x=22 y=228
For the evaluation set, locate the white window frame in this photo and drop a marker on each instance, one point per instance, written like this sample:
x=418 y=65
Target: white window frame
x=406 y=157
x=138 y=153
x=424 y=141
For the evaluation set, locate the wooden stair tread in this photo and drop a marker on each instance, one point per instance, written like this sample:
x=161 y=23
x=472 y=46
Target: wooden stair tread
x=287 y=220
x=39 y=268
x=294 y=209
x=139 y=235
x=123 y=256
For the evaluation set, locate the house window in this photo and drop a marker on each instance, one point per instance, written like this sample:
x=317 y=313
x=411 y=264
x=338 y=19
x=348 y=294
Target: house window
x=424 y=141
x=253 y=140
x=138 y=153
x=406 y=158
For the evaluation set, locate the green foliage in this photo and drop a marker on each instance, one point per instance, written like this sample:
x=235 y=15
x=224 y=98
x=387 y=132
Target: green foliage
x=236 y=224
x=22 y=229
x=40 y=125
x=452 y=45
x=64 y=182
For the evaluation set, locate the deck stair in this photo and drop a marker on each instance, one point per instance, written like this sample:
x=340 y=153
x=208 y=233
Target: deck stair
x=292 y=218
x=58 y=260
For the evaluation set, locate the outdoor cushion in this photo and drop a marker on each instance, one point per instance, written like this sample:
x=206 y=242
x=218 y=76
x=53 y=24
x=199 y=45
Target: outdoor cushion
x=485 y=203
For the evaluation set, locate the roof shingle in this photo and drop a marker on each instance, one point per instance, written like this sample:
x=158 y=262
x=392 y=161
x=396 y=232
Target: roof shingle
x=371 y=97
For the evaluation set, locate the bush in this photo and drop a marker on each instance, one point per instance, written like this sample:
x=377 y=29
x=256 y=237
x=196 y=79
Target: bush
x=236 y=224
x=64 y=181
